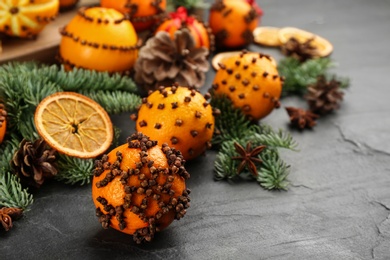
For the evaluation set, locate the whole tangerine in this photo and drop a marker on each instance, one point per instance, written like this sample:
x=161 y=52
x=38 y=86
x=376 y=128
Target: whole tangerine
x=139 y=187
x=251 y=81
x=3 y=122
x=179 y=20
x=233 y=22
x=99 y=39
x=179 y=116
x=26 y=19
x=143 y=13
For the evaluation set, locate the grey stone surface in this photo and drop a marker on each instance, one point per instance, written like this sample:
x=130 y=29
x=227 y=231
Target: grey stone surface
x=338 y=205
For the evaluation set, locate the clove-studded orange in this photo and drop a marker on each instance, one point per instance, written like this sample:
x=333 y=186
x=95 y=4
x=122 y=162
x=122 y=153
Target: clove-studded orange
x=251 y=81
x=99 y=39
x=142 y=13
x=179 y=20
x=139 y=187
x=3 y=122
x=233 y=22
x=26 y=19
x=178 y=116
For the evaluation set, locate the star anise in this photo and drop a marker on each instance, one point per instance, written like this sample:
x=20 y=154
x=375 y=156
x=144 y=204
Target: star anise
x=301 y=51
x=248 y=157
x=6 y=216
x=301 y=118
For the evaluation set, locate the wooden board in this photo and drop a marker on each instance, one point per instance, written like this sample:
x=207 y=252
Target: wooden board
x=45 y=47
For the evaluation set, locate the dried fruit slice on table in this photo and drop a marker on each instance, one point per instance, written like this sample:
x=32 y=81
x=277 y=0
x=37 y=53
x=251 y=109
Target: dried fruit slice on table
x=324 y=47
x=74 y=125
x=267 y=36
x=222 y=56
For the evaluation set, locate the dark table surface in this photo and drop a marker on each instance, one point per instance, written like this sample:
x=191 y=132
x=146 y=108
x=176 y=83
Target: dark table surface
x=338 y=204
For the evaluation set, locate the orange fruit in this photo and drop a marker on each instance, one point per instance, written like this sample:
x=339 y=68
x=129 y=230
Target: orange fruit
x=26 y=19
x=220 y=58
x=3 y=122
x=139 y=187
x=233 y=22
x=143 y=13
x=251 y=81
x=74 y=124
x=323 y=46
x=179 y=20
x=99 y=39
x=178 y=116
x=267 y=36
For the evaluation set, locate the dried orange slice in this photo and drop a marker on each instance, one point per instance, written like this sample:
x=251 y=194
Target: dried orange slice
x=74 y=125
x=323 y=46
x=268 y=36
x=220 y=57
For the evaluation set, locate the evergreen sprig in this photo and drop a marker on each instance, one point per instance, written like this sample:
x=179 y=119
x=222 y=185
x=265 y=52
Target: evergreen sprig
x=273 y=171
x=73 y=170
x=12 y=195
x=23 y=86
x=298 y=76
x=231 y=123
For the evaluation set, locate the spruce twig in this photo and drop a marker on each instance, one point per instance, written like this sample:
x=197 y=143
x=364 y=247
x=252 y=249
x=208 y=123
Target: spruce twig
x=298 y=76
x=236 y=128
x=74 y=170
x=12 y=195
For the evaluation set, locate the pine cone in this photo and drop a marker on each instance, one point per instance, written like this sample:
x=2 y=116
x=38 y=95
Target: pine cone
x=324 y=97
x=3 y=114
x=33 y=162
x=300 y=51
x=163 y=61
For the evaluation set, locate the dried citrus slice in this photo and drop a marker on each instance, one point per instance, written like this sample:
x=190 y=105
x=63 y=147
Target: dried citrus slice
x=74 y=125
x=323 y=46
x=268 y=36
x=220 y=57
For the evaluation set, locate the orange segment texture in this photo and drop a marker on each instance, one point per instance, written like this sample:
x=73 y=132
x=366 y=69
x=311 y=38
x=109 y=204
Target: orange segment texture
x=26 y=18
x=74 y=124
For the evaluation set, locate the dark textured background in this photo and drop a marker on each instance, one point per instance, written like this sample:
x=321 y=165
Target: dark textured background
x=338 y=204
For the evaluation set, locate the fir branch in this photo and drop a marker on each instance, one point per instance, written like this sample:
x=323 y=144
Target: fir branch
x=7 y=150
x=82 y=79
x=299 y=75
x=224 y=166
x=271 y=138
x=231 y=123
x=74 y=170
x=12 y=195
x=273 y=171
x=114 y=102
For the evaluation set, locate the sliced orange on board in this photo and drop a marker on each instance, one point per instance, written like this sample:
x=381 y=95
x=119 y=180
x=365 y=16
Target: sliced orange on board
x=324 y=47
x=74 y=125
x=220 y=57
x=267 y=36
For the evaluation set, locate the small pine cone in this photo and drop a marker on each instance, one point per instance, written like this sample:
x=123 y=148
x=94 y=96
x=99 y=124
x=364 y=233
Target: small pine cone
x=324 y=97
x=3 y=114
x=33 y=162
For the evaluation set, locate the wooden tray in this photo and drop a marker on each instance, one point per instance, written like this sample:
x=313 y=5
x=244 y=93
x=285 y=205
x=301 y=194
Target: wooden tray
x=45 y=47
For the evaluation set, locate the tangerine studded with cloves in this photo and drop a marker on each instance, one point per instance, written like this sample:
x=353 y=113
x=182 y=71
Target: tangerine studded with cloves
x=178 y=116
x=251 y=81
x=139 y=187
x=100 y=39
